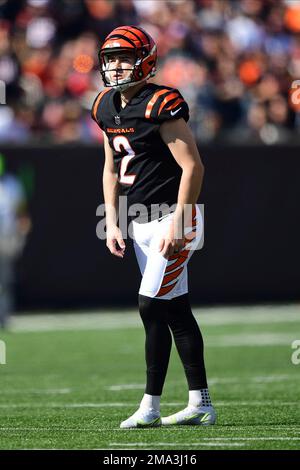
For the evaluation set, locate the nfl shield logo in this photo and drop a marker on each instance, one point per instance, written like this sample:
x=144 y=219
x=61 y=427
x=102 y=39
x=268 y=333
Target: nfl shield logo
x=117 y=120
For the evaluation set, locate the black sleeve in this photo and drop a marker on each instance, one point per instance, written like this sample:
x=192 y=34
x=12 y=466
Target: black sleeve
x=170 y=105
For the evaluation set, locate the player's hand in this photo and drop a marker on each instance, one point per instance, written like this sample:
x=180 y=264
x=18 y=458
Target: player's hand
x=115 y=242
x=169 y=245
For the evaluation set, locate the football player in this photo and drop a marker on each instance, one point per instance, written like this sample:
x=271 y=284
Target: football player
x=151 y=157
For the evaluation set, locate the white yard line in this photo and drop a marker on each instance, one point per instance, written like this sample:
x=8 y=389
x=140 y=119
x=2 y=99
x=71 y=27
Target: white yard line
x=217 y=441
x=232 y=315
x=216 y=381
x=65 y=405
x=261 y=428
x=33 y=391
x=275 y=403
x=251 y=340
x=202 y=440
x=117 y=388
x=192 y=444
x=140 y=386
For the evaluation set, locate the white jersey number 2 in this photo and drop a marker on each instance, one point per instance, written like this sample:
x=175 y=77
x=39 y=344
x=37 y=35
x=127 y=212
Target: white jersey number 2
x=118 y=142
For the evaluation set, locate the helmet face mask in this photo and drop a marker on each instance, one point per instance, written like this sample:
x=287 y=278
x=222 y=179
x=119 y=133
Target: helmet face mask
x=128 y=41
x=106 y=69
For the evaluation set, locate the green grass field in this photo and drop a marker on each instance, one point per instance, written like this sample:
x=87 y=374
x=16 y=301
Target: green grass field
x=70 y=379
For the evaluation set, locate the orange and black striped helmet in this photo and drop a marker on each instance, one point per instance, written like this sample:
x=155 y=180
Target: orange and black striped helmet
x=133 y=39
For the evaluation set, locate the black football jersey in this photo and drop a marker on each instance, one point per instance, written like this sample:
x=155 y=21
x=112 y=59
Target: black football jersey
x=147 y=170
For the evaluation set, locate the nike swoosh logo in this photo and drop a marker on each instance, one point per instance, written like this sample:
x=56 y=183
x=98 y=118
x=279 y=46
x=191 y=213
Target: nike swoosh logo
x=143 y=423
x=205 y=418
x=175 y=112
x=187 y=418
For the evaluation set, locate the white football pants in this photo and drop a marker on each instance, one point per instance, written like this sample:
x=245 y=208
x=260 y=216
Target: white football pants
x=165 y=278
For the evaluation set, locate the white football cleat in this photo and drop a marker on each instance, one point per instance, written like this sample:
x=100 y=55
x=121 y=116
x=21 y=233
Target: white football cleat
x=202 y=416
x=142 y=418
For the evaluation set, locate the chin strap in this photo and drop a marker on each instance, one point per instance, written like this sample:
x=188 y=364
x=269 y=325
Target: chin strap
x=125 y=86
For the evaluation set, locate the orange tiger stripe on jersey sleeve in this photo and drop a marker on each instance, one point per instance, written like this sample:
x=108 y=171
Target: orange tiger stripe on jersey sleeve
x=168 y=98
x=177 y=102
x=95 y=107
x=153 y=101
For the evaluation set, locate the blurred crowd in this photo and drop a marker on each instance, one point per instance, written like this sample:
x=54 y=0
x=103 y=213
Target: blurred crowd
x=234 y=62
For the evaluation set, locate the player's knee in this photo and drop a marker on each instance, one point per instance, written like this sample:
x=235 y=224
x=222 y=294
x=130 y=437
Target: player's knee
x=145 y=305
x=150 y=307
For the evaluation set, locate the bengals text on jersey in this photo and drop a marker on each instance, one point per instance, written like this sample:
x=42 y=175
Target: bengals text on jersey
x=147 y=171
